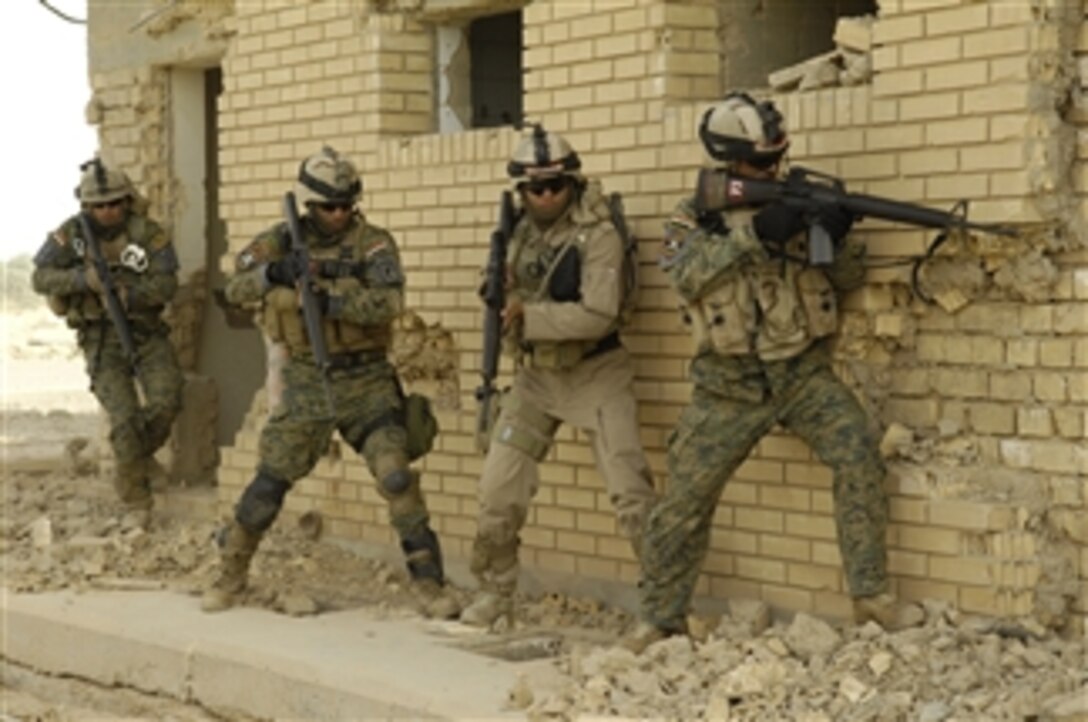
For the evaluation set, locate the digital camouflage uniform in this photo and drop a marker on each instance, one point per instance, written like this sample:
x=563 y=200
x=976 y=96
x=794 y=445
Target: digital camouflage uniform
x=571 y=368
x=360 y=272
x=761 y=323
x=144 y=268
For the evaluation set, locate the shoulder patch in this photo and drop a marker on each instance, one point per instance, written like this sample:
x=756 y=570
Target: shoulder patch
x=382 y=245
x=384 y=270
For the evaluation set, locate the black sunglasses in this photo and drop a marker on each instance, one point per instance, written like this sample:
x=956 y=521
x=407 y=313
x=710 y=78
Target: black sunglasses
x=109 y=204
x=763 y=162
x=553 y=185
x=333 y=207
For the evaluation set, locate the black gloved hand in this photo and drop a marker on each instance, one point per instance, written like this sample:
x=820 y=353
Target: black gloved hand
x=280 y=273
x=777 y=222
x=837 y=221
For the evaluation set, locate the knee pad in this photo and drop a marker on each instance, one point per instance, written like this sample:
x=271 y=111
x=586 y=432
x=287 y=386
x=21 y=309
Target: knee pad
x=260 y=503
x=396 y=482
x=424 y=555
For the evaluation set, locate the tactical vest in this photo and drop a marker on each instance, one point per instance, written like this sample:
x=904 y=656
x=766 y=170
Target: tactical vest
x=80 y=309
x=535 y=260
x=774 y=309
x=341 y=269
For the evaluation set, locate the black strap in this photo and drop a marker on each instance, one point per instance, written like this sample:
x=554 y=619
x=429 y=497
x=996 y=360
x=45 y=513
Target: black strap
x=606 y=344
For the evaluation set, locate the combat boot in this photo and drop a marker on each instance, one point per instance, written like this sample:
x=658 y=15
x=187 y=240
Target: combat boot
x=136 y=518
x=887 y=611
x=436 y=601
x=424 y=557
x=236 y=549
x=492 y=607
x=644 y=634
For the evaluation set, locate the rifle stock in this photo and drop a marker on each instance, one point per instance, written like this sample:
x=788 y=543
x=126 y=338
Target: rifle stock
x=494 y=298
x=114 y=309
x=718 y=190
x=311 y=311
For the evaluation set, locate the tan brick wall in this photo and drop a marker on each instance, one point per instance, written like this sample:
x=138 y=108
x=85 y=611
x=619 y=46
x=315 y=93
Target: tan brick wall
x=993 y=391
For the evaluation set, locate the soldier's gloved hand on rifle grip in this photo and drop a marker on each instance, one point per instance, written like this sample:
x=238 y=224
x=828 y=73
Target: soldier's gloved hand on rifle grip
x=836 y=220
x=329 y=305
x=88 y=279
x=281 y=272
x=777 y=222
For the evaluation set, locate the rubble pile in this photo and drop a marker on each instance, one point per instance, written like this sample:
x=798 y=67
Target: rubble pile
x=954 y=667
x=850 y=63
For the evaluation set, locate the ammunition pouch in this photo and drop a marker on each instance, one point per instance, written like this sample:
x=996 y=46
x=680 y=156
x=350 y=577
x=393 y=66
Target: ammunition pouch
x=566 y=354
x=421 y=425
x=525 y=427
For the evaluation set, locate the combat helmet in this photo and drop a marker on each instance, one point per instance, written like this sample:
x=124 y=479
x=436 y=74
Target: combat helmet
x=99 y=184
x=543 y=154
x=327 y=177
x=739 y=128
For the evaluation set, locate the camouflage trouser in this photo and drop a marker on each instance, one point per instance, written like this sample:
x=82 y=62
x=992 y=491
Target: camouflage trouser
x=713 y=437
x=367 y=408
x=136 y=431
x=596 y=397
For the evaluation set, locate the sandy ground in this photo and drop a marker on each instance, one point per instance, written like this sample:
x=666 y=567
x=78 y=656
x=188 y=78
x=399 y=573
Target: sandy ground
x=60 y=527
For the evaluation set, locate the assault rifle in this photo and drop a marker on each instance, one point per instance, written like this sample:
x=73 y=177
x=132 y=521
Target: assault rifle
x=494 y=298
x=718 y=189
x=109 y=293
x=304 y=283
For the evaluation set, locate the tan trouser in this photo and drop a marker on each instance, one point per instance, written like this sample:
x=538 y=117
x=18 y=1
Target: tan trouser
x=594 y=396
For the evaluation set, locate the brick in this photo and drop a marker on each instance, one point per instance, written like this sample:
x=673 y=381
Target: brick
x=972 y=516
x=930 y=52
x=788 y=598
x=958 y=21
x=989 y=418
x=928 y=539
x=781 y=547
x=996 y=99
x=957 y=75
x=892 y=83
x=956 y=132
x=887 y=31
x=957 y=187
x=902 y=563
x=904 y=136
x=810 y=527
x=760 y=520
x=811 y=576
x=1034 y=421
x=929 y=105
x=988 y=43
x=760 y=568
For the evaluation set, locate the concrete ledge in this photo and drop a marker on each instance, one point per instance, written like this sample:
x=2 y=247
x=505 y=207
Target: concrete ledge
x=341 y=665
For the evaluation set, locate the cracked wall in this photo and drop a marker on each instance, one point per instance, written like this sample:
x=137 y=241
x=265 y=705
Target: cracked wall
x=983 y=395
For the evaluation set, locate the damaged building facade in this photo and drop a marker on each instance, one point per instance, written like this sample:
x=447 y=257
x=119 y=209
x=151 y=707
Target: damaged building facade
x=980 y=387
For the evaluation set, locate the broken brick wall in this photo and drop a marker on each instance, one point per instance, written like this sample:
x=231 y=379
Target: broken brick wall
x=983 y=392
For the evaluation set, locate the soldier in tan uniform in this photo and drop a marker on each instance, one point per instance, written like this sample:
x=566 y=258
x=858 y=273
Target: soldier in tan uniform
x=359 y=286
x=762 y=317
x=570 y=283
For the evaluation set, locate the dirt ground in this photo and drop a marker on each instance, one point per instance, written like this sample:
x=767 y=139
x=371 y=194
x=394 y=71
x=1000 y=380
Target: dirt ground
x=60 y=527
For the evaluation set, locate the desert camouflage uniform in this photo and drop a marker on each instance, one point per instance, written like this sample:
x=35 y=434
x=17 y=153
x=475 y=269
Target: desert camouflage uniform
x=761 y=324
x=572 y=368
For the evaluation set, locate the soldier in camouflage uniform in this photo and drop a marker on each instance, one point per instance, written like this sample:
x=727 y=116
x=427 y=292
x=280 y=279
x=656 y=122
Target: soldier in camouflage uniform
x=571 y=283
x=144 y=268
x=360 y=289
x=762 y=319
